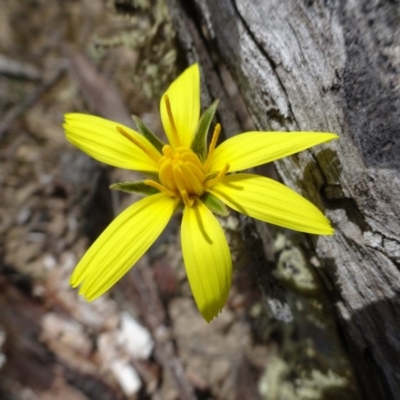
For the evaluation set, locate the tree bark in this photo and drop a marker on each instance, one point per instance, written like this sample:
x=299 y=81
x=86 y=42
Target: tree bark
x=324 y=66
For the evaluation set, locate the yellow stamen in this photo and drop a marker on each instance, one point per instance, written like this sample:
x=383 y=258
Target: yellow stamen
x=217 y=178
x=213 y=144
x=181 y=169
x=186 y=199
x=160 y=187
x=198 y=172
x=138 y=144
x=179 y=178
x=167 y=150
x=175 y=138
x=191 y=179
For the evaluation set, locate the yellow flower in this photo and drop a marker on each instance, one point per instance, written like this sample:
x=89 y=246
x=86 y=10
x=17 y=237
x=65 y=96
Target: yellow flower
x=185 y=172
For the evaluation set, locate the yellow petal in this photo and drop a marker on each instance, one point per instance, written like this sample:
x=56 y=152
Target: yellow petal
x=272 y=202
x=184 y=98
x=124 y=241
x=100 y=138
x=250 y=149
x=207 y=259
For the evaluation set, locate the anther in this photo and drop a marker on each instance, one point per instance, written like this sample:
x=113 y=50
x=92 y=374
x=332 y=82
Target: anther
x=161 y=188
x=213 y=144
x=217 y=178
x=186 y=199
x=138 y=144
x=192 y=180
x=167 y=150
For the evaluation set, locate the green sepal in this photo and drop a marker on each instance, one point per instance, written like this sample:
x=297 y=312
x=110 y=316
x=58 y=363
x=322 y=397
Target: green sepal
x=199 y=144
x=215 y=205
x=134 y=187
x=147 y=133
x=151 y=175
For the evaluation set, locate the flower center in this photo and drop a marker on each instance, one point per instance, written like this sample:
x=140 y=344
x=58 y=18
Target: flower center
x=181 y=171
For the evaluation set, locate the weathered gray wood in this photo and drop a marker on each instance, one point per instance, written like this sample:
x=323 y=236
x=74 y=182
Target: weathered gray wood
x=329 y=66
